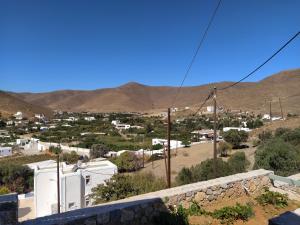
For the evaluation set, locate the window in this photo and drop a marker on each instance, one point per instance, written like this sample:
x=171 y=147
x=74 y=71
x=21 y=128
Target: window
x=87 y=179
x=71 y=205
x=87 y=202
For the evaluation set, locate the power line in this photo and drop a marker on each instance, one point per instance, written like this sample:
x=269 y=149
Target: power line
x=196 y=53
x=261 y=65
x=211 y=93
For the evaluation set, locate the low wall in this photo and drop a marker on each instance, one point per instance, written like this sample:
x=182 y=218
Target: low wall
x=9 y=209
x=142 y=208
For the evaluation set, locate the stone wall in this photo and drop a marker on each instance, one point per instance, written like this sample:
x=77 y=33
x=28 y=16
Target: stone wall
x=142 y=208
x=9 y=209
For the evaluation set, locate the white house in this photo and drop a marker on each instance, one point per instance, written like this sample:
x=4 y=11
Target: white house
x=210 y=109
x=5 y=151
x=89 y=118
x=18 y=115
x=121 y=126
x=225 y=129
x=76 y=183
x=203 y=135
x=39 y=116
x=173 y=143
x=266 y=117
x=115 y=122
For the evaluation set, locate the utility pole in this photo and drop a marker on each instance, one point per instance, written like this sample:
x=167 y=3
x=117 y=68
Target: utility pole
x=281 y=108
x=215 y=132
x=271 y=111
x=58 y=186
x=169 y=149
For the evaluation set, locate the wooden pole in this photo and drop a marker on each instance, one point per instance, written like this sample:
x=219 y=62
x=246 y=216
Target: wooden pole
x=215 y=132
x=169 y=148
x=281 y=108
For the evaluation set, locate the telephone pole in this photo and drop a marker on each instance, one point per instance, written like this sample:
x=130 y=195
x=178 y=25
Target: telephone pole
x=215 y=132
x=58 y=185
x=271 y=111
x=281 y=108
x=169 y=150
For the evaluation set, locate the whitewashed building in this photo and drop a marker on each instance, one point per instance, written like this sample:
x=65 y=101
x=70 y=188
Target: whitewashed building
x=246 y=129
x=5 y=151
x=76 y=183
x=173 y=143
x=18 y=115
x=89 y=118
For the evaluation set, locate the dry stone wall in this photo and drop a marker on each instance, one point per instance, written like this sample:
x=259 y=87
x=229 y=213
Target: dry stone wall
x=142 y=209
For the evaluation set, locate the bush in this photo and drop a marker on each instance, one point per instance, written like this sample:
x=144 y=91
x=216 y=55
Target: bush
x=70 y=158
x=237 y=163
x=235 y=137
x=279 y=156
x=4 y=190
x=231 y=213
x=122 y=186
x=16 y=178
x=265 y=136
x=55 y=150
x=128 y=162
x=223 y=148
x=273 y=198
x=157 y=147
x=178 y=217
x=98 y=150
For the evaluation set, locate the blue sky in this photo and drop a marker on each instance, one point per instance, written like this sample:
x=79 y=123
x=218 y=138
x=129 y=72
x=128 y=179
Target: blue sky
x=48 y=45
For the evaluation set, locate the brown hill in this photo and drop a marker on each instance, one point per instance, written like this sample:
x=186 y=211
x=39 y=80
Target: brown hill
x=10 y=104
x=253 y=96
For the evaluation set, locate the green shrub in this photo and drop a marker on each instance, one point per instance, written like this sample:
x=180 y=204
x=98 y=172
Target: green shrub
x=235 y=137
x=4 y=190
x=122 y=186
x=265 y=136
x=157 y=147
x=229 y=214
x=237 y=163
x=278 y=156
x=55 y=150
x=223 y=148
x=128 y=162
x=273 y=198
x=70 y=158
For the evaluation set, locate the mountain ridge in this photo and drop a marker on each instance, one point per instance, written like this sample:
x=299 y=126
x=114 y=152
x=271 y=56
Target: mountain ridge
x=137 y=97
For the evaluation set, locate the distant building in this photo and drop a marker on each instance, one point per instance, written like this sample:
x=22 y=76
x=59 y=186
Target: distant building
x=203 y=135
x=39 y=116
x=5 y=151
x=173 y=143
x=115 y=122
x=210 y=109
x=121 y=126
x=225 y=129
x=89 y=118
x=76 y=183
x=18 y=116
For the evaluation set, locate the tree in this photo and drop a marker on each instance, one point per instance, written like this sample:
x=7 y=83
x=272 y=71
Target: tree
x=128 y=162
x=157 y=146
x=98 y=150
x=235 y=137
x=122 y=186
x=186 y=142
x=184 y=176
x=223 y=148
x=279 y=156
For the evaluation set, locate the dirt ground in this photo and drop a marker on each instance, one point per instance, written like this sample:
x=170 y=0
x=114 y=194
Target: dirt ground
x=261 y=213
x=187 y=157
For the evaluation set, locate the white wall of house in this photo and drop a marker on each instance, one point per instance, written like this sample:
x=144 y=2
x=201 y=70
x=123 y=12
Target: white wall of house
x=225 y=129
x=173 y=143
x=5 y=151
x=76 y=183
